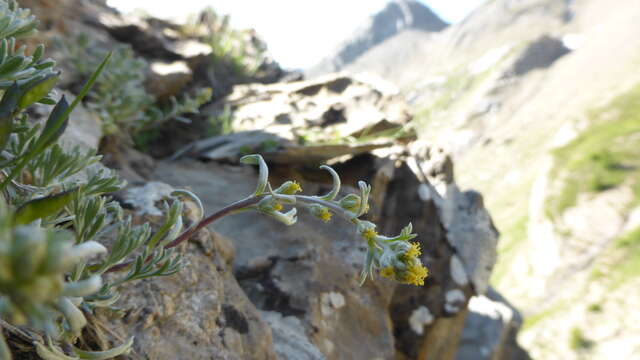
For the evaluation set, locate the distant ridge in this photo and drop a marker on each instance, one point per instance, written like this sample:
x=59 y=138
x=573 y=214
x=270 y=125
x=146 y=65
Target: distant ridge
x=397 y=16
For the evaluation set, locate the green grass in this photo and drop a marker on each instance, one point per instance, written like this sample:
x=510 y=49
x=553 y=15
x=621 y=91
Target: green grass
x=595 y=308
x=604 y=156
x=623 y=264
x=577 y=340
x=628 y=264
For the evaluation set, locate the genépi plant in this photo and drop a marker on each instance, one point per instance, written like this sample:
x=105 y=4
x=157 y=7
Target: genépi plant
x=120 y=99
x=396 y=257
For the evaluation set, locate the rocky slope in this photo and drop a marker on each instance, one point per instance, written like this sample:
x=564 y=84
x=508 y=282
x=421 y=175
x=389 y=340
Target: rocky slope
x=538 y=102
x=253 y=288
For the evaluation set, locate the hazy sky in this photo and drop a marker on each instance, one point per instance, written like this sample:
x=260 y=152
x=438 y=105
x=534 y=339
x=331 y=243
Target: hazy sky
x=298 y=32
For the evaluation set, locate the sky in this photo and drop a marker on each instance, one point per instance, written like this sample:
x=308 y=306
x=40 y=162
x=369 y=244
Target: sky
x=299 y=33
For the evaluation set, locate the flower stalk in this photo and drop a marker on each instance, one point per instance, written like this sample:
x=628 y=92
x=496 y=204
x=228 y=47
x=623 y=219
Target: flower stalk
x=395 y=258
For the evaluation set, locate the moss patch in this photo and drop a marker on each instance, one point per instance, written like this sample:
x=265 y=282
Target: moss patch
x=604 y=156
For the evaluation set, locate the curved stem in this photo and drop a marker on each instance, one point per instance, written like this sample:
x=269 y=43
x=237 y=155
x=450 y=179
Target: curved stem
x=230 y=209
x=315 y=200
x=227 y=210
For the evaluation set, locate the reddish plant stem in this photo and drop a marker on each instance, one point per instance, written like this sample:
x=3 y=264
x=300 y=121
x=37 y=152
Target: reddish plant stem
x=227 y=210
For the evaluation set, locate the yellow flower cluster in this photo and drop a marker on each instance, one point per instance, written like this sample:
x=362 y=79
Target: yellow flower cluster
x=394 y=257
x=414 y=251
x=413 y=272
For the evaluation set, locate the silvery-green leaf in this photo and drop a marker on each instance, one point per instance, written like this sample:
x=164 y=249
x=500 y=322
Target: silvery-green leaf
x=7 y=112
x=82 y=252
x=11 y=65
x=365 y=190
x=288 y=218
x=58 y=244
x=336 y=184
x=27 y=251
x=37 y=91
x=51 y=353
x=72 y=314
x=263 y=171
x=38 y=52
x=45 y=64
x=43 y=207
x=194 y=198
x=175 y=213
x=47 y=101
x=5 y=353
x=55 y=126
x=107 y=354
x=3 y=47
x=81 y=288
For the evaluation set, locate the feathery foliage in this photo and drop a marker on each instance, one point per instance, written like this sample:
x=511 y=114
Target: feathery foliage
x=53 y=208
x=120 y=98
x=241 y=50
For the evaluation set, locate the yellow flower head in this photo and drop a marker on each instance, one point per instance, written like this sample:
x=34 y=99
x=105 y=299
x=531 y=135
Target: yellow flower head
x=414 y=251
x=325 y=215
x=277 y=207
x=388 y=272
x=415 y=274
x=369 y=234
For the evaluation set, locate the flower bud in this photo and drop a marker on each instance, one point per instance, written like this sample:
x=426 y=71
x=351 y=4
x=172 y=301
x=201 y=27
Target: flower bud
x=289 y=188
x=288 y=218
x=350 y=203
x=269 y=204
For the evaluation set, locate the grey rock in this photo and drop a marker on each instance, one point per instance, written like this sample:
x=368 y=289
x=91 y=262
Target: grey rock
x=490 y=329
x=141 y=34
x=419 y=318
x=472 y=233
x=144 y=198
x=289 y=339
x=84 y=128
x=541 y=53
x=323 y=109
x=458 y=272
x=167 y=79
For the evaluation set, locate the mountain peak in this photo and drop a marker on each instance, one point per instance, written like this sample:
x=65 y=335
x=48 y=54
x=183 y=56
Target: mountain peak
x=396 y=17
x=412 y=14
